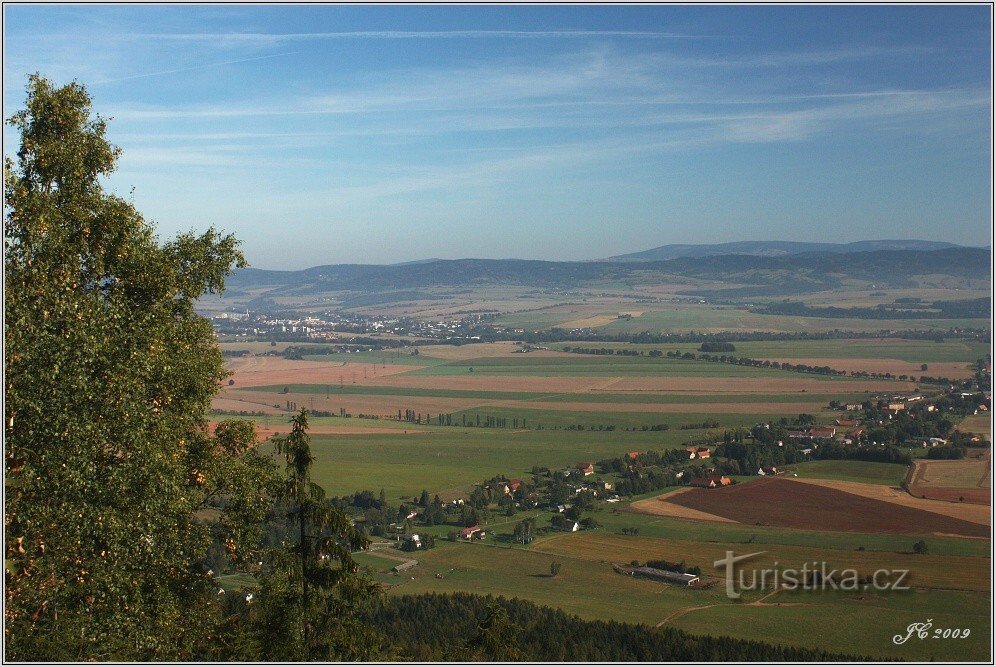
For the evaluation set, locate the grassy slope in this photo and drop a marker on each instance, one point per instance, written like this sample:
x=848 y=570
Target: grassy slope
x=890 y=474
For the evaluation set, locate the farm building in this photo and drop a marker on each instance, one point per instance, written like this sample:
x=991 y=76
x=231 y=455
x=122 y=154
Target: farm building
x=401 y=567
x=586 y=468
x=822 y=432
x=567 y=526
x=471 y=533
x=698 y=452
x=665 y=575
x=711 y=481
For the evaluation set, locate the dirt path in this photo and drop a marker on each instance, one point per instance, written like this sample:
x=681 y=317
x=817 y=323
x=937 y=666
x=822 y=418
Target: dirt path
x=760 y=602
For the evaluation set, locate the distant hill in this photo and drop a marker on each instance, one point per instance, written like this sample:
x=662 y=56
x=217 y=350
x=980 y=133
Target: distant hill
x=772 y=249
x=757 y=274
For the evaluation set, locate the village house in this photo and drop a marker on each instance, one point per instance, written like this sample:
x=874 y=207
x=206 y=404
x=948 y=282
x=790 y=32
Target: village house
x=567 y=526
x=471 y=533
x=822 y=432
x=897 y=407
x=698 y=452
x=587 y=468
x=711 y=481
x=633 y=455
x=852 y=407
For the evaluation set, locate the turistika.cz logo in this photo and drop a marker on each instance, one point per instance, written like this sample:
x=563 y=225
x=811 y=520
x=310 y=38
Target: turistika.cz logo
x=812 y=576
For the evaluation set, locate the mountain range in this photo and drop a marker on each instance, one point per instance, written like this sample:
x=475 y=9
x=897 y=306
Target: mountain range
x=751 y=275
x=772 y=249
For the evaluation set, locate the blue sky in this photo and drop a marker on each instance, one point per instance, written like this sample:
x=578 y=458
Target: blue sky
x=349 y=134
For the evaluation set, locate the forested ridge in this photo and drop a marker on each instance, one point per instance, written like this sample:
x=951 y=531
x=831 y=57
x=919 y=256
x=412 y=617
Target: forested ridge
x=447 y=627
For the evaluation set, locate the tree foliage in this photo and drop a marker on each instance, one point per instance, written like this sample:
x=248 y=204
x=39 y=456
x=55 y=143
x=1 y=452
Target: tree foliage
x=115 y=488
x=311 y=586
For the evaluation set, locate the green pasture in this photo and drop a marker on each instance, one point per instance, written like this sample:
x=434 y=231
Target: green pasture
x=550 y=419
x=567 y=397
x=449 y=460
x=889 y=474
x=913 y=351
x=863 y=623
x=614 y=518
x=589 y=589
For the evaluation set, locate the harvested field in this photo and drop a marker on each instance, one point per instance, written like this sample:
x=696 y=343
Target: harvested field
x=963 y=511
x=967 y=480
x=262 y=371
x=980 y=424
x=746 y=385
x=660 y=507
x=588 y=322
x=781 y=502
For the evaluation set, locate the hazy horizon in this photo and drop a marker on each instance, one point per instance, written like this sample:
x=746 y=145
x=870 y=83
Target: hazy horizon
x=323 y=134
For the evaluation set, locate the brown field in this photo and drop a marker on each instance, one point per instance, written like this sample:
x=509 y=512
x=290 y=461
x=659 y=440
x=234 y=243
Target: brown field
x=659 y=506
x=262 y=371
x=950 y=369
x=926 y=571
x=980 y=423
x=788 y=503
x=967 y=480
x=962 y=511
x=588 y=322
x=747 y=385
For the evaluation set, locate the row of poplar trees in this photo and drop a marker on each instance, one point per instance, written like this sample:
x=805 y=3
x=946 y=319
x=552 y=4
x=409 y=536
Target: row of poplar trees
x=115 y=486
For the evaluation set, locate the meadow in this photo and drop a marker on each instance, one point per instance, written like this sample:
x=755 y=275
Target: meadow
x=891 y=474
x=570 y=408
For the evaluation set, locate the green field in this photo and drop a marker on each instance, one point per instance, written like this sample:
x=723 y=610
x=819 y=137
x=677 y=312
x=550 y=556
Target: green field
x=608 y=366
x=889 y=474
x=546 y=397
x=615 y=519
x=590 y=589
x=913 y=351
x=549 y=419
x=864 y=623
x=588 y=586
x=449 y=460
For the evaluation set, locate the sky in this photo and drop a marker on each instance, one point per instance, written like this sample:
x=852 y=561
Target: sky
x=381 y=134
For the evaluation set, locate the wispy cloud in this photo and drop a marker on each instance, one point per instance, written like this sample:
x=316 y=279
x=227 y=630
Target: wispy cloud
x=191 y=68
